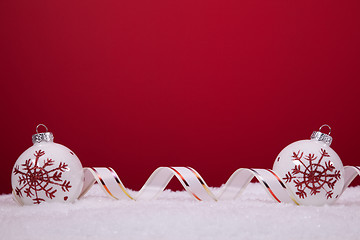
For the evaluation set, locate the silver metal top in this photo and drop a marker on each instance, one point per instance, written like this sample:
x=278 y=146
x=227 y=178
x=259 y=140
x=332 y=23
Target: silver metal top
x=323 y=137
x=42 y=136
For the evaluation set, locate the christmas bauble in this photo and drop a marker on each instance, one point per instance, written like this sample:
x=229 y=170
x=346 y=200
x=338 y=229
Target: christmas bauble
x=311 y=169
x=46 y=172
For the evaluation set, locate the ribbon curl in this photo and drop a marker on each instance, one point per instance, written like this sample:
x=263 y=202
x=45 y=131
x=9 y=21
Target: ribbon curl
x=195 y=185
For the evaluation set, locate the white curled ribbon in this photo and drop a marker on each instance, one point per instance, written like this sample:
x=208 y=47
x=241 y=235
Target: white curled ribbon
x=195 y=185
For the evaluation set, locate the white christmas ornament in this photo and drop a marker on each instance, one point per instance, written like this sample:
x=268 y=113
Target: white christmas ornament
x=46 y=172
x=311 y=170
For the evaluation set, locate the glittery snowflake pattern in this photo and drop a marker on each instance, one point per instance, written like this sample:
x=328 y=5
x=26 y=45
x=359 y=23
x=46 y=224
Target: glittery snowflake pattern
x=34 y=179
x=312 y=175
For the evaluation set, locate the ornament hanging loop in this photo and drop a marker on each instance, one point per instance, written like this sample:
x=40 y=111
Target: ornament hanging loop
x=37 y=128
x=322 y=137
x=325 y=125
x=42 y=136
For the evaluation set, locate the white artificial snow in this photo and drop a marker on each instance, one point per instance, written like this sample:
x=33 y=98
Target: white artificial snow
x=176 y=215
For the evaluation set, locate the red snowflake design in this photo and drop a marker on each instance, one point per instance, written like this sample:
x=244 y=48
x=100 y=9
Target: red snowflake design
x=313 y=176
x=34 y=178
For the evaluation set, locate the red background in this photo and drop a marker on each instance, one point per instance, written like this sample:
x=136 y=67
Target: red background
x=216 y=85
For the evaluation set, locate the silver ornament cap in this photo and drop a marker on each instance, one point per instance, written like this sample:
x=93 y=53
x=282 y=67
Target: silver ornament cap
x=322 y=137
x=42 y=136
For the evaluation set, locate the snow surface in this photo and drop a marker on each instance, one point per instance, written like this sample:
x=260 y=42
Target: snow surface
x=176 y=215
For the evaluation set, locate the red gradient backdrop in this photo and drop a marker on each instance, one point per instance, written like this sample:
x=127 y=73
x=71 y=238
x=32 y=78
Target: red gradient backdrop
x=216 y=85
